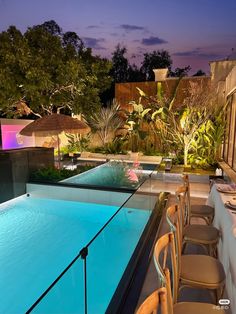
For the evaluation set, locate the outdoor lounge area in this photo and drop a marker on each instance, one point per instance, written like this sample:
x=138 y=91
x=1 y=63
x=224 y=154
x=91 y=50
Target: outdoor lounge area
x=117 y=157
x=148 y=201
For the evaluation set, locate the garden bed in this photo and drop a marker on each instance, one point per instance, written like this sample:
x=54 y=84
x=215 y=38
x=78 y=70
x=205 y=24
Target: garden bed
x=53 y=175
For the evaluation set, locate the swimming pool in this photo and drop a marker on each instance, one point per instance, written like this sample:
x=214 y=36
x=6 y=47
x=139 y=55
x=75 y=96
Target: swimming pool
x=40 y=236
x=114 y=174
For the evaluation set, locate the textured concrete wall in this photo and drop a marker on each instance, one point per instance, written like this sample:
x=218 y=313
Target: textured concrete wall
x=221 y=69
x=230 y=83
x=16 y=165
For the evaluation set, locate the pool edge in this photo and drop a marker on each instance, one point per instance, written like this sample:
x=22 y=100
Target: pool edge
x=127 y=293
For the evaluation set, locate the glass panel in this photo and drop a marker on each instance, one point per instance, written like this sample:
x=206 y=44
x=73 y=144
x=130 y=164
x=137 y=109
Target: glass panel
x=110 y=252
x=113 y=175
x=231 y=136
x=67 y=295
x=69 y=167
x=234 y=148
x=226 y=139
x=39 y=237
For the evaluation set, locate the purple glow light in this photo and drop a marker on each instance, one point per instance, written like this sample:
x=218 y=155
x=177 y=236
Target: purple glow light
x=12 y=139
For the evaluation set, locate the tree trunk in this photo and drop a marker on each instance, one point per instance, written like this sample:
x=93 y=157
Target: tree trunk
x=186 y=147
x=185 y=157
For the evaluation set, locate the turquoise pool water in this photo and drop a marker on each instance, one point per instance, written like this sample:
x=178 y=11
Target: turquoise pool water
x=40 y=237
x=111 y=174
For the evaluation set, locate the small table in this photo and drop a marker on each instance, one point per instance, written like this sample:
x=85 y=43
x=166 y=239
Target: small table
x=225 y=221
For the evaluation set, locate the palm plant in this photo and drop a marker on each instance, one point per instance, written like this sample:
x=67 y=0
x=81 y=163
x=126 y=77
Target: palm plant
x=105 y=121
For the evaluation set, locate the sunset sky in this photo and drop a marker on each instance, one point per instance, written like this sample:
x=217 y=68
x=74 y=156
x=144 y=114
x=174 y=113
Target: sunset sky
x=194 y=32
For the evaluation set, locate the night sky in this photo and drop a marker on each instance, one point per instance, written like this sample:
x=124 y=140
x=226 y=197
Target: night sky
x=193 y=31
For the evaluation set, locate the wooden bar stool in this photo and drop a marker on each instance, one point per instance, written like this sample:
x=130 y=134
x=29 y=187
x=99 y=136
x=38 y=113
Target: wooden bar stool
x=206 y=236
x=204 y=212
x=160 y=301
x=198 y=271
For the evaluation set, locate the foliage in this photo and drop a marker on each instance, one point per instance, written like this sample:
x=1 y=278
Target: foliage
x=120 y=65
x=63 y=151
x=149 y=148
x=135 y=74
x=114 y=147
x=77 y=143
x=122 y=71
x=44 y=71
x=199 y=73
x=208 y=142
x=136 y=120
x=123 y=174
x=157 y=59
x=193 y=130
x=179 y=72
x=184 y=125
x=105 y=121
x=51 y=174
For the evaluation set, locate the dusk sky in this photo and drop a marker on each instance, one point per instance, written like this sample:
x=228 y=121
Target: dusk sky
x=193 y=31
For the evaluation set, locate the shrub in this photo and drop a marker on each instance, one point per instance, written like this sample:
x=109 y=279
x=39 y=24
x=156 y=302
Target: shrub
x=51 y=174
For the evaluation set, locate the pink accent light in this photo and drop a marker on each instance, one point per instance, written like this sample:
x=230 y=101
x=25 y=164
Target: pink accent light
x=12 y=139
x=132 y=175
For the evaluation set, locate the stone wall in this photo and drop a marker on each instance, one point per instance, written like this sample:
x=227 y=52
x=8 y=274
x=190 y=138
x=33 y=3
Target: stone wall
x=16 y=165
x=230 y=83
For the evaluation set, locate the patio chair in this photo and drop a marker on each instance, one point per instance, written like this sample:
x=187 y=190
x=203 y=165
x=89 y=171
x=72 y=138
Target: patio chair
x=193 y=270
x=206 y=236
x=204 y=212
x=160 y=301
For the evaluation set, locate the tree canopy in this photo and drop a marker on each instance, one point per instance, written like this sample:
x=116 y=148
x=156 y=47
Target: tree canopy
x=120 y=65
x=155 y=60
x=122 y=71
x=45 y=70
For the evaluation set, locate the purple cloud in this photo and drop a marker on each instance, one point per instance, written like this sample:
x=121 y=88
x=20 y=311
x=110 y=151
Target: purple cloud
x=92 y=26
x=94 y=43
x=197 y=53
x=128 y=27
x=151 y=41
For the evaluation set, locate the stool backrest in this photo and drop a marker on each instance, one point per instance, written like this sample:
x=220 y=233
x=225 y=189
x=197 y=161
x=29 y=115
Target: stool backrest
x=181 y=194
x=156 y=301
x=165 y=247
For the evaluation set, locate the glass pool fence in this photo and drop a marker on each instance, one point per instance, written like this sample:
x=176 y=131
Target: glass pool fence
x=89 y=282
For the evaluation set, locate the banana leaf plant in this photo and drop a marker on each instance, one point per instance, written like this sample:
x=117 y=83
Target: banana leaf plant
x=136 y=121
x=179 y=127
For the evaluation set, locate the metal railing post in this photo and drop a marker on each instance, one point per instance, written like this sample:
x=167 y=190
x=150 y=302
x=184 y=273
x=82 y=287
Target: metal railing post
x=84 y=254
